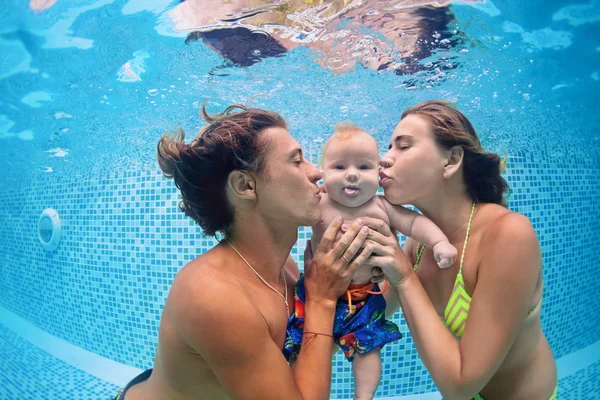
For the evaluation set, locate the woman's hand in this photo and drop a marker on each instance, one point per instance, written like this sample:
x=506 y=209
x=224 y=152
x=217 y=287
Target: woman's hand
x=328 y=272
x=387 y=253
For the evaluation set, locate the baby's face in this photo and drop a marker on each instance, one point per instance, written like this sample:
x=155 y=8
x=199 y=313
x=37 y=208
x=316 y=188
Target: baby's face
x=351 y=170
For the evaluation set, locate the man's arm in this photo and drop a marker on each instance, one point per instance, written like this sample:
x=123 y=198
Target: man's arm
x=221 y=323
x=232 y=336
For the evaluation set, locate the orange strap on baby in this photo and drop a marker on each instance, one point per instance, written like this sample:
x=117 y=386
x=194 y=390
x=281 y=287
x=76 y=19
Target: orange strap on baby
x=359 y=292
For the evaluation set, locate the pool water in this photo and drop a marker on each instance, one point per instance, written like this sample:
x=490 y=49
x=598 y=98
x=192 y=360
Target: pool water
x=88 y=86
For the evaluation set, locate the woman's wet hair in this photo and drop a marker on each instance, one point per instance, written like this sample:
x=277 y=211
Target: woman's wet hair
x=231 y=141
x=482 y=170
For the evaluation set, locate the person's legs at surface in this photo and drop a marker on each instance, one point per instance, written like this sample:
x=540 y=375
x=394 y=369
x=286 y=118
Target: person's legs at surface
x=366 y=368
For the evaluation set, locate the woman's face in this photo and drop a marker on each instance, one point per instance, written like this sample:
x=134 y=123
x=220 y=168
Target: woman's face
x=414 y=165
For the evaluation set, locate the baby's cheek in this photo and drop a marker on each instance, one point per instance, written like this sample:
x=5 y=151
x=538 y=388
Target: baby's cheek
x=373 y=183
x=329 y=182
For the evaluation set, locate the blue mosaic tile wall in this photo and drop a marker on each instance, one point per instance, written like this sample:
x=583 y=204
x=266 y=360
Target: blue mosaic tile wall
x=561 y=200
x=124 y=240
x=585 y=384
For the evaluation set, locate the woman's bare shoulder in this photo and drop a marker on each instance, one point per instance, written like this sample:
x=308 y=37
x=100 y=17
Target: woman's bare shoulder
x=508 y=231
x=498 y=219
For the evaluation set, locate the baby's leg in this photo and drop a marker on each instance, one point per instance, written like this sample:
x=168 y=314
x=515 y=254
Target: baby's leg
x=366 y=368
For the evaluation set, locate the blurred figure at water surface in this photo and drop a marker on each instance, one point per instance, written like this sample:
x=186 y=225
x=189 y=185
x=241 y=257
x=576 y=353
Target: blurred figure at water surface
x=379 y=35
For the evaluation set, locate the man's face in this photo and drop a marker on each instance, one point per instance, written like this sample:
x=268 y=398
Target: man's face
x=287 y=191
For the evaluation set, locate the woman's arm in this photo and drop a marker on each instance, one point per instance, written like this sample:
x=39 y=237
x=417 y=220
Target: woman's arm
x=391 y=295
x=505 y=288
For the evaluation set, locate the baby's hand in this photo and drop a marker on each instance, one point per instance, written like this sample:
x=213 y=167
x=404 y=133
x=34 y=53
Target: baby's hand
x=445 y=254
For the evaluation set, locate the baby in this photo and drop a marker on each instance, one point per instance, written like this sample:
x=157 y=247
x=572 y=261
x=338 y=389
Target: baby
x=351 y=178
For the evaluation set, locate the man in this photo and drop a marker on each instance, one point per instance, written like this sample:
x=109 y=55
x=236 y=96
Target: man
x=224 y=323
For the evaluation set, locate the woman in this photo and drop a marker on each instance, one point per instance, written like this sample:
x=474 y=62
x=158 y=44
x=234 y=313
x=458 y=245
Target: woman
x=223 y=326
x=489 y=343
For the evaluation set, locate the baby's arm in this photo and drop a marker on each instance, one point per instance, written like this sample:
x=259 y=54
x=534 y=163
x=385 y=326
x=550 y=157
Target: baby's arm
x=423 y=230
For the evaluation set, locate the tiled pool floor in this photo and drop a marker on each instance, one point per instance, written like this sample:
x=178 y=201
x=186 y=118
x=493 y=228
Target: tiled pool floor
x=29 y=373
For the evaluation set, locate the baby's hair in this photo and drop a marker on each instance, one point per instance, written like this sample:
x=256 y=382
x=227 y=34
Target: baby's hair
x=345 y=130
x=342 y=131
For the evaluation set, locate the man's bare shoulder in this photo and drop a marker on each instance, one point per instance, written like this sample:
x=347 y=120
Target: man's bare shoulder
x=207 y=300
x=203 y=283
x=210 y=265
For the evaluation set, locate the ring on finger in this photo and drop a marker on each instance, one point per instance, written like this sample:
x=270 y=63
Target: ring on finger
x=344 y=257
